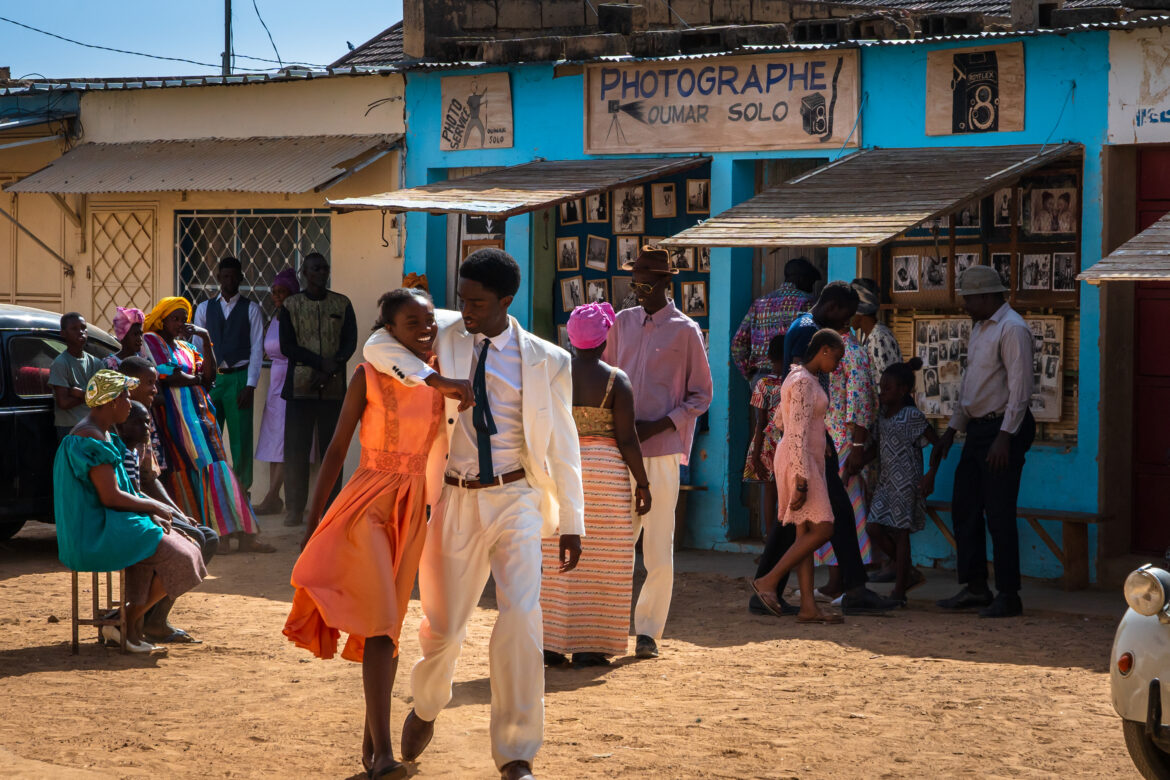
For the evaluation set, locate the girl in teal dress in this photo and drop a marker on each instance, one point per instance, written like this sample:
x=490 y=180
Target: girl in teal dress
x=103 y=525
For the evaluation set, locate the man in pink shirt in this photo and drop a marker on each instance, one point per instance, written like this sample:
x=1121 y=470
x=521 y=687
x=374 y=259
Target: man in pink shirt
x=661 y=350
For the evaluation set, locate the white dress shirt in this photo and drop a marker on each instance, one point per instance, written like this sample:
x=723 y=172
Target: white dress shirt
x=998 y=379
x=504 y=387
x=255 y=325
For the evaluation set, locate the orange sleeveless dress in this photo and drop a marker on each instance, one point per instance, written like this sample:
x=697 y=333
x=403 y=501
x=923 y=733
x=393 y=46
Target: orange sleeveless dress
x=357 y=571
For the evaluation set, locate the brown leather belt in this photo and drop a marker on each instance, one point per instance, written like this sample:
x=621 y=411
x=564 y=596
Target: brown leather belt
x=475 y=484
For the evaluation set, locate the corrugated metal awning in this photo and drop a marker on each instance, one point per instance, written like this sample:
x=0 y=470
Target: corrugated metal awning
x=1145 y=257
x=288 y=164
x=519 y=189
x=869 y=197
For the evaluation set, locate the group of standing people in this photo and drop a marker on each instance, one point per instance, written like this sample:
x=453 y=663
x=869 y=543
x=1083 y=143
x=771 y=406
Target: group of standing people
x=835 y=373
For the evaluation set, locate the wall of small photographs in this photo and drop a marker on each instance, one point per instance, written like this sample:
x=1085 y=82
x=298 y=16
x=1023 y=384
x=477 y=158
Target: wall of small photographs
x=941 y=344
x=597 y=235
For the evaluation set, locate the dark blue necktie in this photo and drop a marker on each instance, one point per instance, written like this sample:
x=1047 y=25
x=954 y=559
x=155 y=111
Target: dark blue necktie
x=481 y=416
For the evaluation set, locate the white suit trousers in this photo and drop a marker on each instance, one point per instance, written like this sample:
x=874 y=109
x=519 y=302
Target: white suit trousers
x=657 y=545
x=472 y=533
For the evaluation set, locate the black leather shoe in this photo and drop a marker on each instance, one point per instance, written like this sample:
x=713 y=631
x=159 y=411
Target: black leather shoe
x=867 y=603
x=1004 y=605
x=645 y=647
x=756 y=608
x=966 y=599
x=554 y=659
x=416 y=735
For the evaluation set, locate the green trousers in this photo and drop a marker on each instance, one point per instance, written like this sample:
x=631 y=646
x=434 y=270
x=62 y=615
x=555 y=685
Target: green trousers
x=224 y=393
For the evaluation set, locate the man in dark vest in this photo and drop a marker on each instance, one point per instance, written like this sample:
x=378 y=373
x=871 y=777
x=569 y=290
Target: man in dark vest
x=236 y=326
x=318 y=334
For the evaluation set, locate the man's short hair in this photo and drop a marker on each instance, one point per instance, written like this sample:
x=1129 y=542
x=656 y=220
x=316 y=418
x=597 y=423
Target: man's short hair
x=230 y=262
x=841 y=294
x=800 y=266
x=495 y=269
x=314 y=256
x=135 y=366
x=68 y=317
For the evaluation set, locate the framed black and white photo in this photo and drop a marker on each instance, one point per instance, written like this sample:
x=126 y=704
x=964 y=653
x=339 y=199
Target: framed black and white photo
x=963 y=261
x=571 y=212
x=663 y=201
x=596 y=290
x=905 y=273
x=969 y=216
x=704 y=260
x=706 y=341
x=597 y=207
x=620 y=285
x=682 y=258
x=482 y=225
x=1064 y=272
x=569 y=254
x=694 y=299
x=1001 y=207
x=563 y=337
x=1035 y=271
x=1053 y=211
x=627 y=250
x=629 y=209
x=934 y=272
x=1002 y=263
x=572 y=292
x=698 y=196
x=597 y=253
x=651 y=241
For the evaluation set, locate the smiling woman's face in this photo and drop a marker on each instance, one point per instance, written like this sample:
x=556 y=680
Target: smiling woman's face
x=414 y=326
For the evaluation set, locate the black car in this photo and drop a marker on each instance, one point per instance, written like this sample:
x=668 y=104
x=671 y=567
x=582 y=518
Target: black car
x=29 y=341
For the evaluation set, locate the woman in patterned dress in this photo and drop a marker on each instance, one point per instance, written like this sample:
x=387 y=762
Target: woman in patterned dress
x=587 y=611
x=198 y=476
x=899 y=501
x=801 y=489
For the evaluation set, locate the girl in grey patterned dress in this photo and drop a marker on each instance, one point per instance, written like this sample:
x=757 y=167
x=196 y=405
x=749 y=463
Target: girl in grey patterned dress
x=899 y=505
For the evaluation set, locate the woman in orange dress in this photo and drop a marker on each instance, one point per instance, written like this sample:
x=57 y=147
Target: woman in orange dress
x=356 y=571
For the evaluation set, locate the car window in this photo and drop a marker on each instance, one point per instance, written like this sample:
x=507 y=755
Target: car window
x=29 y=359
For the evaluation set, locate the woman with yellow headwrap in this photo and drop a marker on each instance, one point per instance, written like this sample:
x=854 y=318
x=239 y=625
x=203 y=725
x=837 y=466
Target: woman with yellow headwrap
x=198 y=475
x=103 y=524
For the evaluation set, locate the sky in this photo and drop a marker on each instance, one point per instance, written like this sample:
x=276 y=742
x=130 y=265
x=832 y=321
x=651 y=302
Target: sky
x=308 y=32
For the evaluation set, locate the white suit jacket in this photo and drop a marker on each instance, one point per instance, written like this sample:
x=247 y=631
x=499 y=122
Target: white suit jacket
x=552 y=456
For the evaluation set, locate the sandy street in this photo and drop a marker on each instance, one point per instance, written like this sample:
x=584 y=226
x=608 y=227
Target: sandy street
x=921 y=694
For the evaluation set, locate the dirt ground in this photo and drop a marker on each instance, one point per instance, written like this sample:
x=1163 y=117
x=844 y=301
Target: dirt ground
x=920 y=694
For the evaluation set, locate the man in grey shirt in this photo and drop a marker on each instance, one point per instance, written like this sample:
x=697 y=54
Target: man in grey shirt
x=993 y=412
x=70 y=373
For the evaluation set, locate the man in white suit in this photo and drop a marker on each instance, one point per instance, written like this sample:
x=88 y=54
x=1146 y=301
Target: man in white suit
x=510 y=473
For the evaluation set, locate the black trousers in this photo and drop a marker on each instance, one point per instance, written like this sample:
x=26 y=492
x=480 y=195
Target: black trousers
x=985 y=500
x=301 y=420
x=844 y=539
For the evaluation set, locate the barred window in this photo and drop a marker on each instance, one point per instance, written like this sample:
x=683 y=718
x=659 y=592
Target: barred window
x=265 y=240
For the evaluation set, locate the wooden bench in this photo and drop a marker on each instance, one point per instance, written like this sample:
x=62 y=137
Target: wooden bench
x=1074 y=556
x=97 y=617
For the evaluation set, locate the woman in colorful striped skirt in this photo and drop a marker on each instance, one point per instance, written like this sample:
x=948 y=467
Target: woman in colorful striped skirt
x=198 y=475
x=587 y=610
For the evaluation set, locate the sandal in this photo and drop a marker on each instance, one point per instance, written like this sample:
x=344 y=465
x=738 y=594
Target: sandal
x=176 y=637
x=393 y=771
x=830 y=618
x=767 y=599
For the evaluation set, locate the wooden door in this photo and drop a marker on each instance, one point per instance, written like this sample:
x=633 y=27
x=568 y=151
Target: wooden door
x=1151 y=436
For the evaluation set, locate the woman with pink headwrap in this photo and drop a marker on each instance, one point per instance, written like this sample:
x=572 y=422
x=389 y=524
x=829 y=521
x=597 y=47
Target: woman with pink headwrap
x=587 y=610
x=270 y=445
x=128 y=330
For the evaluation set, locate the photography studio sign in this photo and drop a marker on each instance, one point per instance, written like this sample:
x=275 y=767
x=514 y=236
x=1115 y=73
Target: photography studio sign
x=775 y=101
x=975 y=90
x=477 y=113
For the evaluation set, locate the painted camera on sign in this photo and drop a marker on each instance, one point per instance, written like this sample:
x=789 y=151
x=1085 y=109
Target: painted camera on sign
x=615 y=106
x=975 y=91
x=813 y=115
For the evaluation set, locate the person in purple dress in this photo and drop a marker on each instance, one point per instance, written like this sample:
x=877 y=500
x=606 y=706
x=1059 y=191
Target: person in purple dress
x=270 y=447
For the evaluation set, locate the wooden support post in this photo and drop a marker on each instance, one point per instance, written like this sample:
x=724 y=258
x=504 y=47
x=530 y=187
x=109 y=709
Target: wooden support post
x=1076 y=556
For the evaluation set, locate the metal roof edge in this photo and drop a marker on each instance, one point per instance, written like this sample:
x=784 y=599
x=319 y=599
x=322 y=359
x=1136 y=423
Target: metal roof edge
x=176 y=82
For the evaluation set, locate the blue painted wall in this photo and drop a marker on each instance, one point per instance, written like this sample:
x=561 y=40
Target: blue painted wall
x=548 y=123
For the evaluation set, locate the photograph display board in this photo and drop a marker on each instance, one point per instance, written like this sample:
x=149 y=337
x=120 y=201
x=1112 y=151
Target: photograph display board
x=941 y=344
x=979 y=90
x=477 y=112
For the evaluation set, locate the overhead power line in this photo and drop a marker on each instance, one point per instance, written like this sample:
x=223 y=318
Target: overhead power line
x=265 y=26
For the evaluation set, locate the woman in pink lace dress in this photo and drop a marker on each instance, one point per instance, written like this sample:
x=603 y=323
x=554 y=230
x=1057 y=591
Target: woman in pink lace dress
x=801 y=492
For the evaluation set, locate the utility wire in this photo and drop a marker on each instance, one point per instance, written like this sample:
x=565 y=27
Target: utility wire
x=122 y=51
x=265 y=26
x=676 y=14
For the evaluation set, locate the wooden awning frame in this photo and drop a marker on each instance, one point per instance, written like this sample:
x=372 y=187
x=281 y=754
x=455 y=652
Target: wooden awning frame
x=519 y=189
x=1144 y=258
x=868 y=198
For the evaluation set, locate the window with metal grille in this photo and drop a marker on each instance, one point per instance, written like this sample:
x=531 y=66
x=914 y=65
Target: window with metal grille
x=265 y=240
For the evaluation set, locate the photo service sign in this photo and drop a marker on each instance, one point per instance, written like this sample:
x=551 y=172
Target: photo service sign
x=477 y=113
x=975 y=90
x=780 y=101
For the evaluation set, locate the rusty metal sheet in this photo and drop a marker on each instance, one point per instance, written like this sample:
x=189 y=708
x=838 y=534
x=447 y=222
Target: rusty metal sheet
x=289 y=164
x=519 y=189
x=1145 y=257
x=868 y=198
